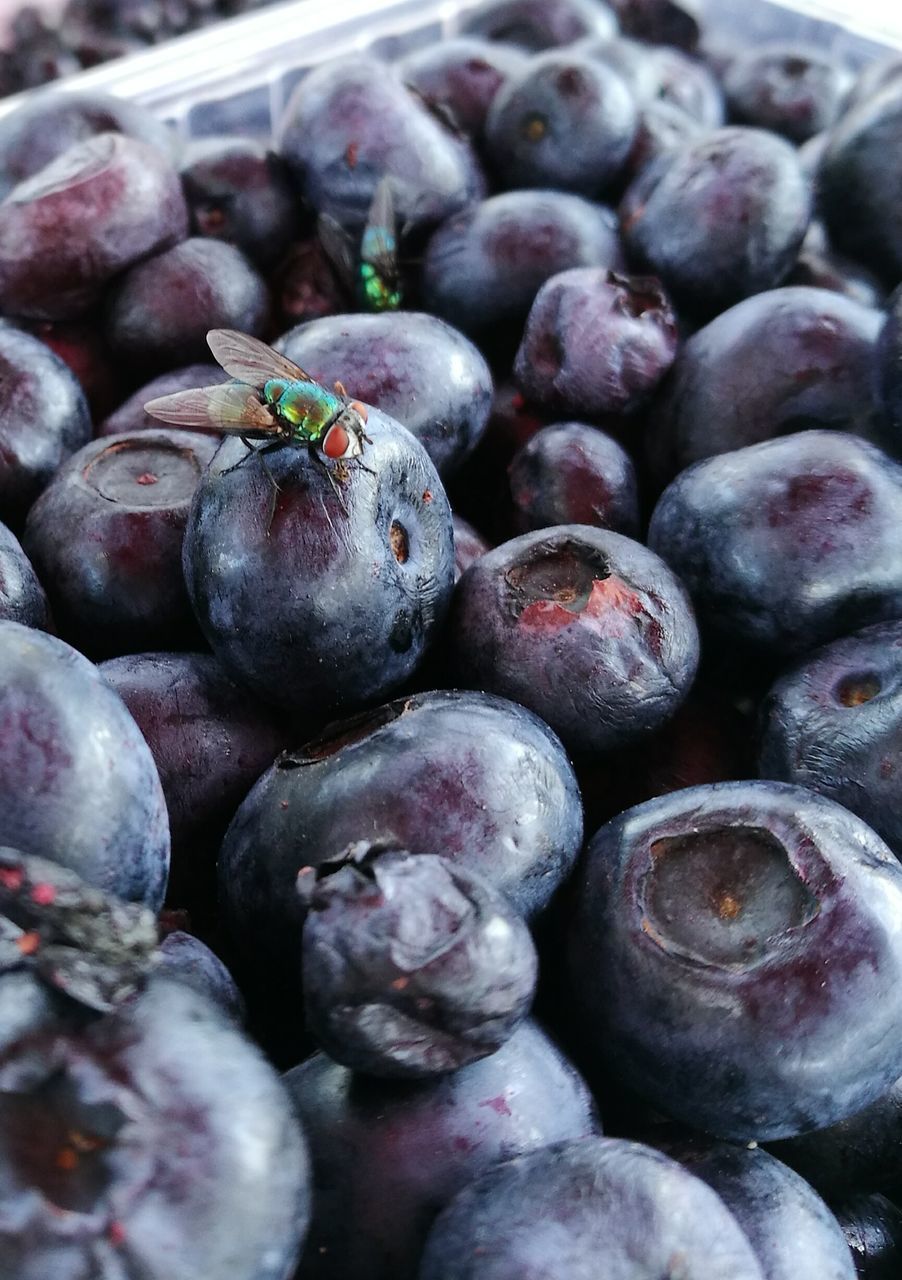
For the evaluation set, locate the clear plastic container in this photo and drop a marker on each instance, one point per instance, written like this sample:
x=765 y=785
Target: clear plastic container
x=236 y=77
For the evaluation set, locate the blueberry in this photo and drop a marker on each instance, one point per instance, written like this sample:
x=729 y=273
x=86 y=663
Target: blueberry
x=239 y=192
x=43 y=419
x=573 y=474
x=688 y=85
x=757 y=898
x=94 y=211
x=468 y=545
x=889 y=364
x=586 y=627
x=305 y=285
x=663 y=131
x=413 y=967
x=387 y=1156
x=565 y=121
x=834 y=724
x=601 y=1206
x=210 y=740
x=541 y=24
x=80 y=344
x=350 y=123
x=324 y=593
x=793 y=1233
x=873 y=1228
x=64 y=736
x=596 y=342
x=667 y=22
x=794 y=89
x=723 y=221
x=819 y=350
x=160 y=313
x=819 y=266
x=130 y=417
x=786 y=544
x=106 y=539
x=22 y=598
x=483 y=267
x=462 y=75
x=185 y=958
x=411 y=365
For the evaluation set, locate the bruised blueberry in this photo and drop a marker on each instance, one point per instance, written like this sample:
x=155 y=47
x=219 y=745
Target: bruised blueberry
x=793 y=89
x=585 y=627
x=565 y=121
x=570 y=473
x=106 y=538
x=596 y=342
x=321 y=584
x=757 y=898
x=411 y=365
x=462 y=76
x=90 y=214
x=44 y=418
x=484 y=267
x=601 y=1206
x=66 y=737
x=724 y=220
x=541 y=24
x=412 y=965
x=22 y=598
x=130 y=415
x=388 y=1155
x=469 y=545
x=162 y=310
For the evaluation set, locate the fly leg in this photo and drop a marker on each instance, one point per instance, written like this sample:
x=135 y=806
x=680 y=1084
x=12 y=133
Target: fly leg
x=321 y=462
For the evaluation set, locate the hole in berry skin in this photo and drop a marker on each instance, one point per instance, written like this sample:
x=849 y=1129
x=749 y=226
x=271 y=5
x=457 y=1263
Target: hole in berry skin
x=397 y=537
x=57 y=1143
x=343 y=734
x=638 y=296
x=723 y=897
x=534 y=128
x=563 y=575
x=852 y=691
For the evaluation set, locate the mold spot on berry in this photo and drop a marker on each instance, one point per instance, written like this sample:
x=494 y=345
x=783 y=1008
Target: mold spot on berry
x=854 y=690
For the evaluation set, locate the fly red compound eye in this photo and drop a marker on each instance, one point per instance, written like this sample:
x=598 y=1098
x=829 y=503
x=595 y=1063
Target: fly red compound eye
x=359 y=409
x=337 y=443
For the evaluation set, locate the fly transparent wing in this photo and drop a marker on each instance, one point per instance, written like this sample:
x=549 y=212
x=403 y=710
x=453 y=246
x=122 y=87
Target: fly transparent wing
x=251 y=361
x=379 y=246
x=339 y=247
x=229 y=407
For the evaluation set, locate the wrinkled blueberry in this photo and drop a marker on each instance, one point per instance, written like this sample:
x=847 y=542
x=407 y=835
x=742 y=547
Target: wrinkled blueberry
x=106 y=539
x=573 y=474
x=67 y=739
x=819 y=351
x=461 y=75
x=350 y=123
x=43 y=419
x=723 y=221
x=793 y=89
x=324 y=593
x=786 y=544
x=387 y=1156
x=585 y=627
x=22 y=598
x=541 y=24
x=468 y=545
x=161 y=312
x=130 y=416
x=565 y=121
x=872 y=1226
x=187 y=959
x=413 y=967
x=91 y=213
x=597 y=1207
x=755 y=898
x=596 y=342
x=410 y=365
x=484 y=267
x=239 y=192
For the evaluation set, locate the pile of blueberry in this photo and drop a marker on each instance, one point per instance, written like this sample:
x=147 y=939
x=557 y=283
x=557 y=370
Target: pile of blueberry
x=451 y=669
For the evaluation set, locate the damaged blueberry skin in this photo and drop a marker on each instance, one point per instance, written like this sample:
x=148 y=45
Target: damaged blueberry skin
x=759 y=898
x=819 y=350
x=388 y=1155
x=484 y=266
x=596 y=342
x=793 y=1233
x=186 y=1127
x=412 y=366
x=587 y=628
x=570 y=473
x=462 y=74
x=44 y=418
x=834 y=724
x=106 y=539
x=89 y=215
x=22 y=598
x=601 y=1206
x=130 y=416
x=350 y=123
x=324 y=595
x=566 y=122
x=69 y=739
x=210 y=739
x=413 y=967
x=793 y=89
x=787 y=544
x=185 y=958
x=724 y=220
x=541 y=24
